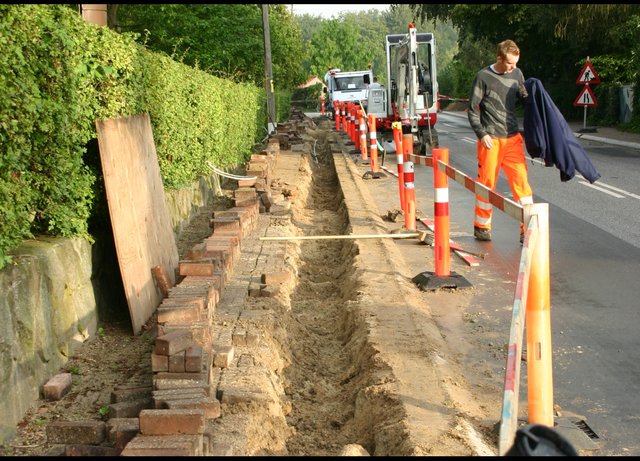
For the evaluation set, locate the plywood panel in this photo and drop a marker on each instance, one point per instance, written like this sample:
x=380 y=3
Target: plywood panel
x=139 y=215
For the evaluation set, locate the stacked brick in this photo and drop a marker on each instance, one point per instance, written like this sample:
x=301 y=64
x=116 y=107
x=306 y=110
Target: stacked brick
x=185 y=364
x=249 y=377
x=172 y=414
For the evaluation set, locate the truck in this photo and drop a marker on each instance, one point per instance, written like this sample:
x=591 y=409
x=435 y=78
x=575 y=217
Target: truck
x=411 y=96
x=347 y=86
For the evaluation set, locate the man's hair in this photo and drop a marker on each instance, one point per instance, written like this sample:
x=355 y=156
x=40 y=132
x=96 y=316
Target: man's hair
x=508 y=47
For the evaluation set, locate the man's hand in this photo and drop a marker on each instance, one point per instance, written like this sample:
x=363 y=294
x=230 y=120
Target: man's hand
x=486 y=141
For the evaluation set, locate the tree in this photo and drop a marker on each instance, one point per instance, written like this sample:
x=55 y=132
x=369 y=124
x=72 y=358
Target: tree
x=554 y=39
x=335 y=44
x=222 y=39
x=354 y=40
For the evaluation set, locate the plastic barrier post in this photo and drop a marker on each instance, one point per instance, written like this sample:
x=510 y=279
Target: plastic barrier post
x=352 y=125
x=441 y=213
x=373 y=138
x=407 y=146
x=336 y=109
x=397 y=137
x=538 y=321
x=345 y=128
x=442 y=277
x=356 y=127
x=410 y=196
x=322 y=103
x=345 y=117
x=363 y=135
x=349 y=121
x=511 y=395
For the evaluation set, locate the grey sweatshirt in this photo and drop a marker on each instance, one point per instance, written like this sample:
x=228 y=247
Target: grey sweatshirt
x=492 y=102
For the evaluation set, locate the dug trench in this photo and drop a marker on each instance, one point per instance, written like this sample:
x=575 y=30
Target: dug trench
x=350 y=360
x=347 y=359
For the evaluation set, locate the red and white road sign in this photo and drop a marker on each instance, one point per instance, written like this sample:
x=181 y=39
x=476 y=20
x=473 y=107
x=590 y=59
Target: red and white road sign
x=586 y=98
x=588 y=75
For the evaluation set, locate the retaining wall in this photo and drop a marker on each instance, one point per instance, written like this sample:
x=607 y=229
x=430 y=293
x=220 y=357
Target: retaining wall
x=50 y=303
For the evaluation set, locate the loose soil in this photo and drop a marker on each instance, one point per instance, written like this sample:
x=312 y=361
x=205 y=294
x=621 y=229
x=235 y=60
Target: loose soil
x=339 y=391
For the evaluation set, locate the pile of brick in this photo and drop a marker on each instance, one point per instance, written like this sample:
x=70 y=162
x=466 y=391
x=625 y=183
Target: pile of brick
x=173 y=415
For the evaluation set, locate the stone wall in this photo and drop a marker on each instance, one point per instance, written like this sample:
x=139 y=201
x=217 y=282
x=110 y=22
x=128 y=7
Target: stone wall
x=49 y=305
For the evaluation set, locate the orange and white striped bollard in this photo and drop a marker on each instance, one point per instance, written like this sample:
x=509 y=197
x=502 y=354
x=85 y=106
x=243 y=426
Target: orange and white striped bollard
x=407 y=146
x=373 y=139
x=397 y=137
x=356 y=127
x=363 y=135
x=441 y=214
x=352 y=117
x=410 y=196
x=343 y=106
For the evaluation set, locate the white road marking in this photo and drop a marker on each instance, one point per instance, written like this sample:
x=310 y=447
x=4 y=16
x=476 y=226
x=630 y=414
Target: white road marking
x=601 y=189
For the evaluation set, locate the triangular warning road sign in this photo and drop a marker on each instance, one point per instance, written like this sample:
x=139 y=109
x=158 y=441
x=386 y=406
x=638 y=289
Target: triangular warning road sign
x=588 y=75
x=586 y=98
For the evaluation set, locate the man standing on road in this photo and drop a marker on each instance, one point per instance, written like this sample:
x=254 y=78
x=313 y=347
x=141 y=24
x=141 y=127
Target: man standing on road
x=375 y=83
x=492 y=115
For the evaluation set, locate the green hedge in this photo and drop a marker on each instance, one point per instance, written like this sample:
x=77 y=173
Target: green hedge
x=58 y=74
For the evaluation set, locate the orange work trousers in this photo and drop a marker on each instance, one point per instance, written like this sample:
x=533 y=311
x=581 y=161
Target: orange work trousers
x=508 y=154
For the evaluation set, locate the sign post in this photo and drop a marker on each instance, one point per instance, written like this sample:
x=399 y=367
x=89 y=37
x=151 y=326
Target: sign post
x=586 y=98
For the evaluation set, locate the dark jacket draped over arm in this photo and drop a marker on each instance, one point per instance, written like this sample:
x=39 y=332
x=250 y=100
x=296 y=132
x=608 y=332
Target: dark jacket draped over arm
x=547 y=135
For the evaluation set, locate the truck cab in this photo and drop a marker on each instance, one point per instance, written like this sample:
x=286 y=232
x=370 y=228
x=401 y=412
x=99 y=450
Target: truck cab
x=351 y=86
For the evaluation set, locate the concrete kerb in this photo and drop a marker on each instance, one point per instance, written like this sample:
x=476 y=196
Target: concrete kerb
x=615 y=142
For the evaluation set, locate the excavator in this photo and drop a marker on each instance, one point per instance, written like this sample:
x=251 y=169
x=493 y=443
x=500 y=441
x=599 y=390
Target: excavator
x=411 y=96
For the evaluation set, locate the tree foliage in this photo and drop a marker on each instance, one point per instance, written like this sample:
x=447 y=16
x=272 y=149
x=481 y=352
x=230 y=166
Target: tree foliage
x=227 y=40
x=223 y=39
x=554 y=39
x=353 y=41
x=59 y=74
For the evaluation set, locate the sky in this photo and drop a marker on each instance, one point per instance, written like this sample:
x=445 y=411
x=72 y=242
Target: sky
x=329 y=10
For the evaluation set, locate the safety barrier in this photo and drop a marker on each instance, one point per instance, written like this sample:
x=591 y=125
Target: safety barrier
x=532 y=285
x=441 y=215
x=343 y=109
x=363 y=134
x=356 y=126
x=347 y=107
x=397 y=137
x=409 y=197
x=407 y=146
x=442 y=97
x=352 y=123
x=531 y=300
x=409 y=187
x=373 y=148
x=532 y=292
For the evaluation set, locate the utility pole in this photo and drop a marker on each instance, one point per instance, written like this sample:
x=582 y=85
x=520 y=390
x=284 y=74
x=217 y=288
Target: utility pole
x=268 y=80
